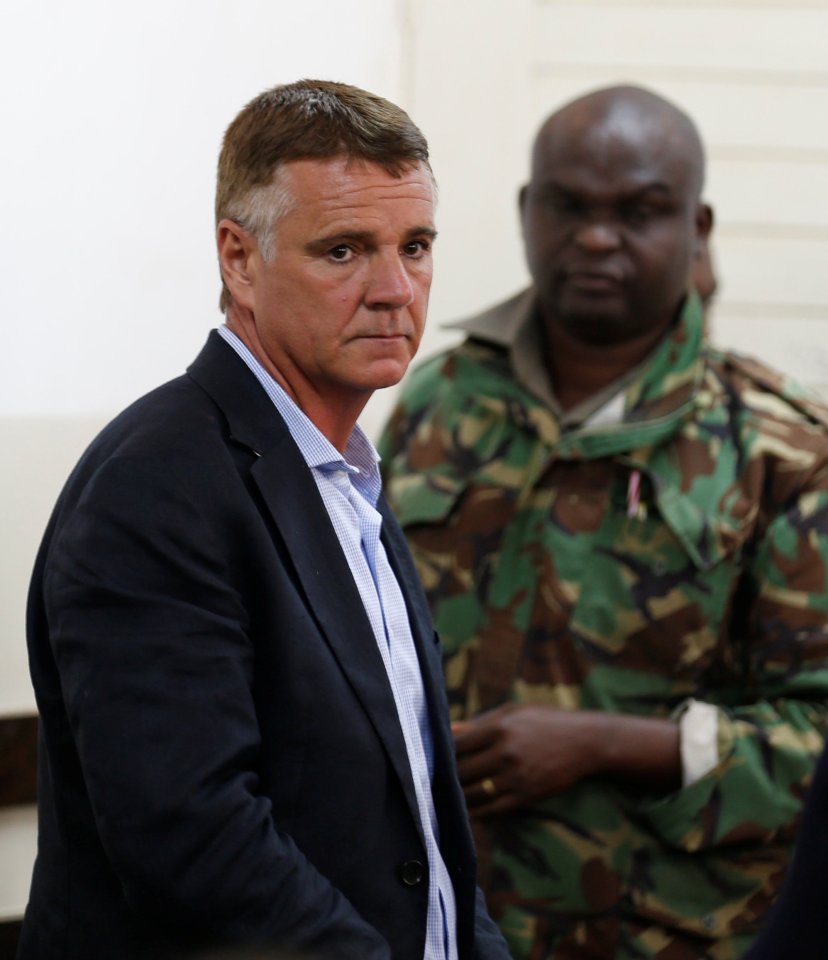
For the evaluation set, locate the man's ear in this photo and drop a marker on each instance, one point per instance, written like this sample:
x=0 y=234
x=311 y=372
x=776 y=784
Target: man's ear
x=704 y=227
x=236 y=247
x=522 y=206
x=702 y=273
x=704 y=221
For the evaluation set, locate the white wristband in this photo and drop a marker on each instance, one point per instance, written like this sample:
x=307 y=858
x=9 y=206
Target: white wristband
x=698 y=733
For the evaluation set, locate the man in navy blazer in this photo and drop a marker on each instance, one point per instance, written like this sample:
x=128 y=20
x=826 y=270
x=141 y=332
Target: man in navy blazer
x=244 y=731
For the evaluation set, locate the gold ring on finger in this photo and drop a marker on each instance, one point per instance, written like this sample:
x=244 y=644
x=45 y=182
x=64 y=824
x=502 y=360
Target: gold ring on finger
x=488 y=786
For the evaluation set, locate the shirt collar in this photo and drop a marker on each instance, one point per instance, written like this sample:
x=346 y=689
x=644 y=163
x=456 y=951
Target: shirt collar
x=516 y=325
x=360 y=460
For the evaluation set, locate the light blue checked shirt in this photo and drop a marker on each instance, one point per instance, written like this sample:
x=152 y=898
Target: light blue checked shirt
x=350 y=487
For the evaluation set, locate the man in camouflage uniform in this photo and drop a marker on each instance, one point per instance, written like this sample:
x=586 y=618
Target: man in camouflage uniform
x=623 y=532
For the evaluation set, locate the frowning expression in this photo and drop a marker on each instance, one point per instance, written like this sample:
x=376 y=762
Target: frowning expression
x=340 y=307
x=612 y=223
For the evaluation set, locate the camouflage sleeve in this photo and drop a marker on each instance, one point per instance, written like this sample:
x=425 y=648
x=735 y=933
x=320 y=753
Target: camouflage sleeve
x=772 y=729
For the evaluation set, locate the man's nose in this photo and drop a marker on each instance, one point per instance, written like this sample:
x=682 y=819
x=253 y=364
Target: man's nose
x=598 y=236
x=389 y=283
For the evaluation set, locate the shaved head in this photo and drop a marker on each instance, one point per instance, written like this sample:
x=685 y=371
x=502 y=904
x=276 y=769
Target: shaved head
x=624 y=114
x=612 y=215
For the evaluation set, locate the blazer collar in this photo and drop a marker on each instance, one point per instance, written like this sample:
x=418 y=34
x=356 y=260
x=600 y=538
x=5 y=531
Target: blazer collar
x=251 y=417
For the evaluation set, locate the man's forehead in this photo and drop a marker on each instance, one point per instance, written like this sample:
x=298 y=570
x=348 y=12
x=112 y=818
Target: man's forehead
x=619 y=145
x=340 y=199
x=621 y=181
x=612 y=164
x=330 y=178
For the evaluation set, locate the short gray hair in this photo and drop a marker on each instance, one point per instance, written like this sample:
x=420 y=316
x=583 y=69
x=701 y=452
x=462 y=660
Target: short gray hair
x=261 y=208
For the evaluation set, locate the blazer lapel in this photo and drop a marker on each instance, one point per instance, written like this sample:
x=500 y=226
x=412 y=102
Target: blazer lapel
x=422 y=629
x=293 y=501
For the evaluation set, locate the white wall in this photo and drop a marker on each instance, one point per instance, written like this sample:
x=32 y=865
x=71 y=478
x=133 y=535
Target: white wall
x=112 y=120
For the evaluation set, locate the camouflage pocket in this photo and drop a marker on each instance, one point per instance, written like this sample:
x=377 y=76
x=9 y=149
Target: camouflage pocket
x=653 y=589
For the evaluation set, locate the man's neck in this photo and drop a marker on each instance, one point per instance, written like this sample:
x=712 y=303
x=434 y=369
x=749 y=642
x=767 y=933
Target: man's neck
x=334 y=415
x=580 y=370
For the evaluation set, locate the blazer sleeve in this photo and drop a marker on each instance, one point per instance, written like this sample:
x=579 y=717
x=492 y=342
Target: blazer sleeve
x=149 y=633
x=489 y=943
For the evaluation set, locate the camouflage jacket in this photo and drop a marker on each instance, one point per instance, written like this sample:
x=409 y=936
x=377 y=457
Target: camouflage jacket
x=679 y=554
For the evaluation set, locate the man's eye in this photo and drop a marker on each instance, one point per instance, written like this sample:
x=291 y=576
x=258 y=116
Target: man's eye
x=567 y=204
x=639 y=215
x=562 y=205
x=341 y=253
x=416 y=248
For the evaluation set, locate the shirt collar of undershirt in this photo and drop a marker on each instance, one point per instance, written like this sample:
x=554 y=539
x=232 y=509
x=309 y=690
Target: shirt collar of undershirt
x=360 y=460
x=522 y=336
x=604 y=408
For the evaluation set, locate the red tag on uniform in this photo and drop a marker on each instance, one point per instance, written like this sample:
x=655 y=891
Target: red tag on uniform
x=633 y=493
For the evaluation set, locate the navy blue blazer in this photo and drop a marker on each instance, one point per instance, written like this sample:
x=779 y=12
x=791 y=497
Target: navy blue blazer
x=221 y=758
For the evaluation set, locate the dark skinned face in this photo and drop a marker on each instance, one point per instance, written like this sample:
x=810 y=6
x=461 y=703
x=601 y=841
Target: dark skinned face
x=611 y=222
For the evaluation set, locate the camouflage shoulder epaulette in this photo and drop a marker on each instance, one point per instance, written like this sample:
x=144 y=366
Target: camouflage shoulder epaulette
x=428 y=368
x=486 y=353
x=485 y=367
x=806 y=401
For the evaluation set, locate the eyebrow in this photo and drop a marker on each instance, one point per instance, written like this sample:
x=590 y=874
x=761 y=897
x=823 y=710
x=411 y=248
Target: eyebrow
x=636 y=190
x=656 y=187
x=365 y=236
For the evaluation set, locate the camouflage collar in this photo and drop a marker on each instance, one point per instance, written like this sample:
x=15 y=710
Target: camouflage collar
x=658 y=395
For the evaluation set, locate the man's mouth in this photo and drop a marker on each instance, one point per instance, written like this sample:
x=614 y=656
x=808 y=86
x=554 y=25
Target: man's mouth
x=594 y=282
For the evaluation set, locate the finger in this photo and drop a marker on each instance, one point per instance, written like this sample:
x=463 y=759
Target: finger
x=472 y=735
x=480 y=791
x=494 y=808
x=487 y=799
x=459 y=727
x=474 y=767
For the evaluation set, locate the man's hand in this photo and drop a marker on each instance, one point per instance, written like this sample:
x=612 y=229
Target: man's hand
x=518 y=754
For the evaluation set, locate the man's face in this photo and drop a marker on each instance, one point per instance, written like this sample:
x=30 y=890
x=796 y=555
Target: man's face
x=341 y=306
x=611 y=225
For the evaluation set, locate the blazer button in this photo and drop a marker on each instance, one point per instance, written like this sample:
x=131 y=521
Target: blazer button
x=412 y=873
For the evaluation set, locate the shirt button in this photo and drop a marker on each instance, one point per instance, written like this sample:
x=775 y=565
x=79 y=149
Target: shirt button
x=412 y=873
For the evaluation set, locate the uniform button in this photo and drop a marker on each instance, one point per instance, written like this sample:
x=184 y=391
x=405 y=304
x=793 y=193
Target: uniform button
x=412 y=873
